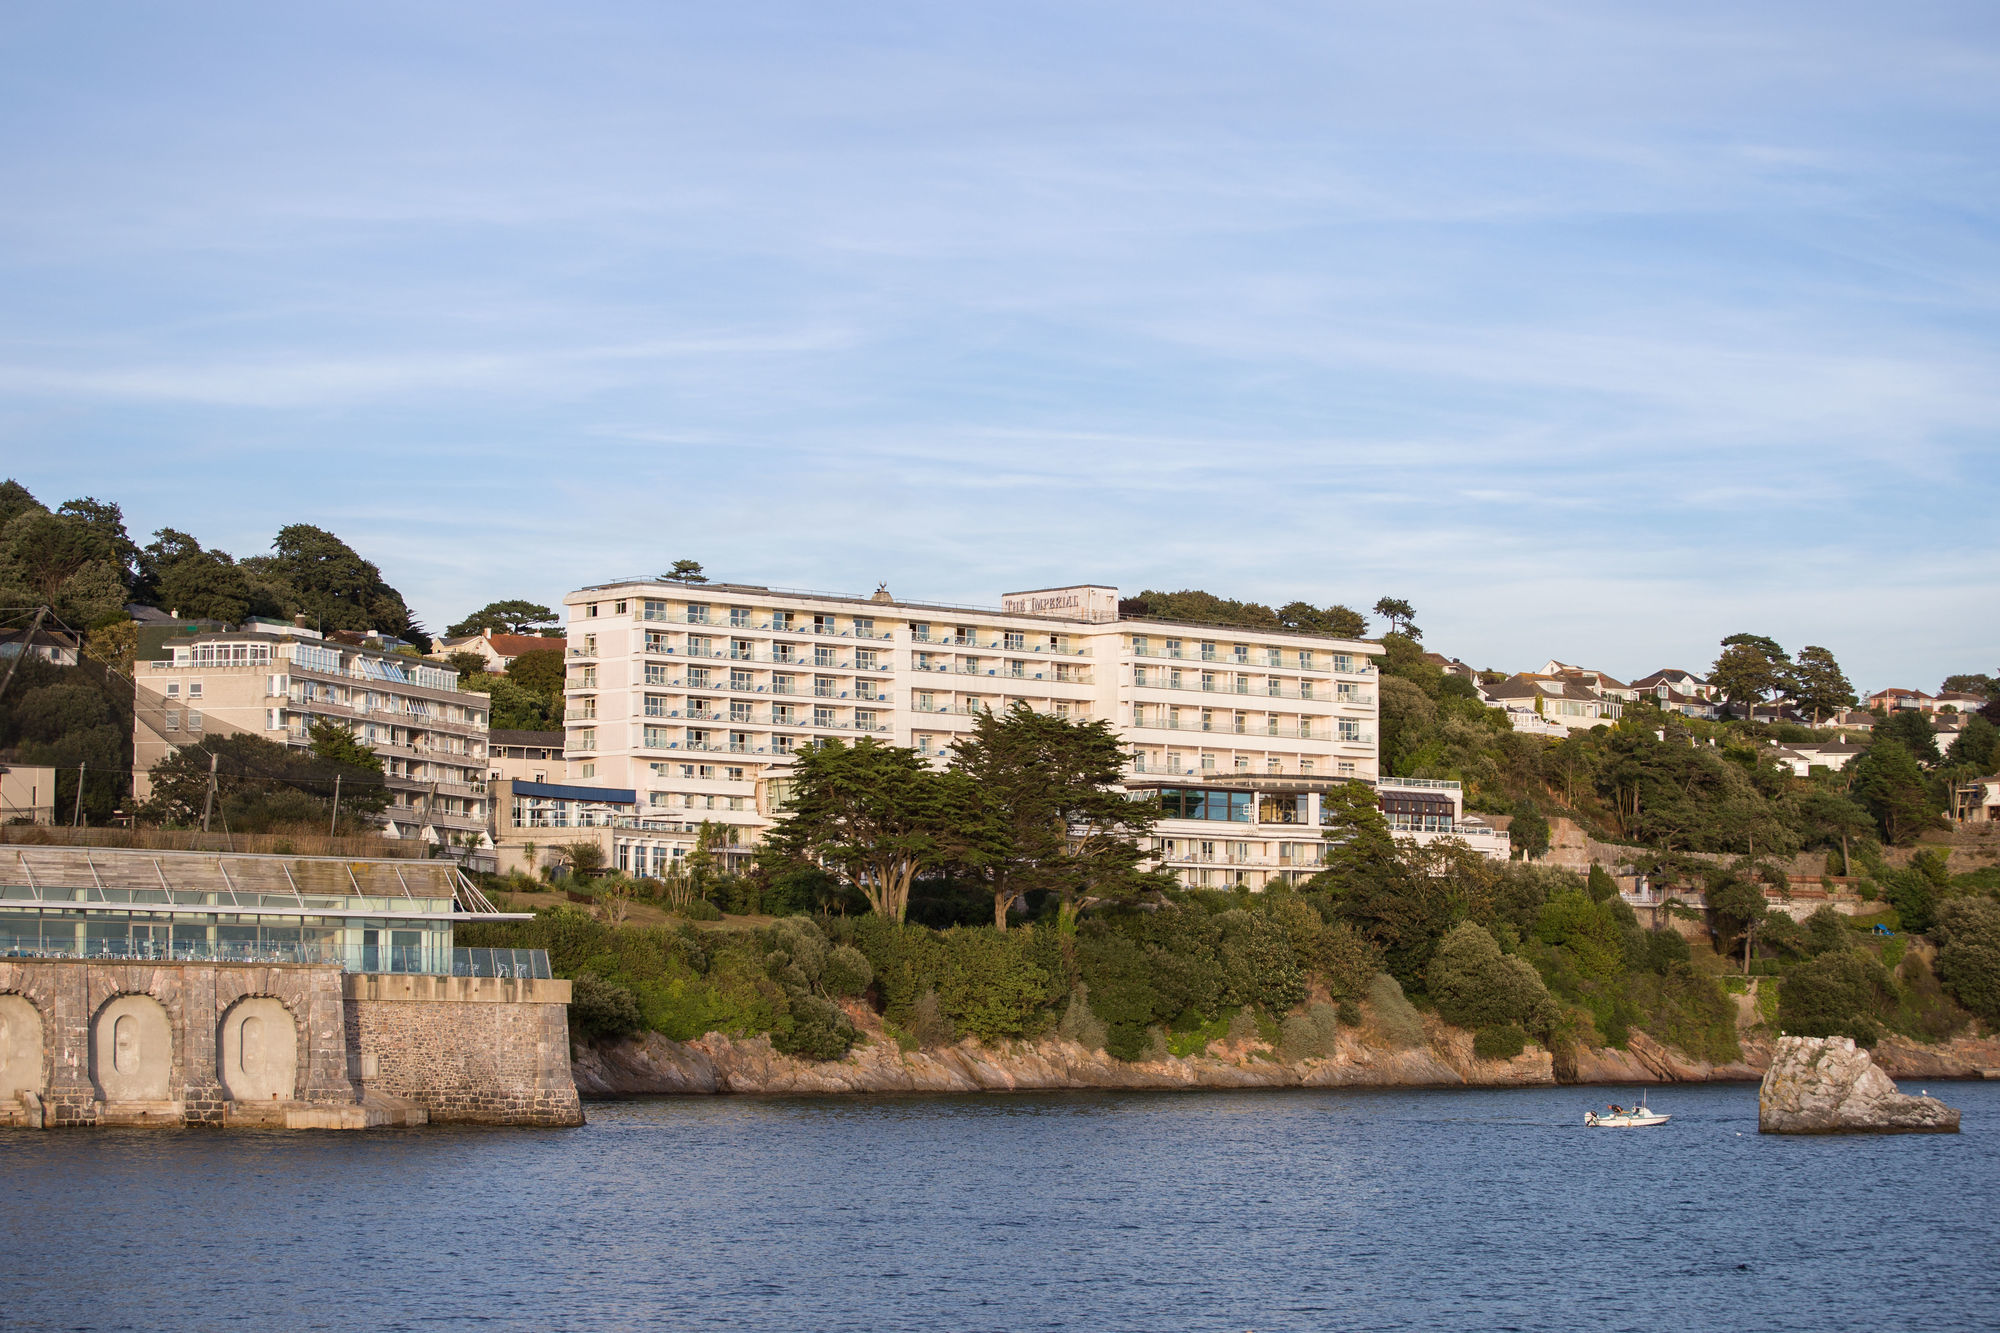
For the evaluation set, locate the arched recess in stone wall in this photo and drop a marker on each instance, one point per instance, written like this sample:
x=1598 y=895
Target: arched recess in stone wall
x=20 y=1047
x=258 y=1048
x=132 y=1051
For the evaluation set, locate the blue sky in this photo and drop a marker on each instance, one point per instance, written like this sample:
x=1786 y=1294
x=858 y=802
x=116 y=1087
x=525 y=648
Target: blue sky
x=1596 y=331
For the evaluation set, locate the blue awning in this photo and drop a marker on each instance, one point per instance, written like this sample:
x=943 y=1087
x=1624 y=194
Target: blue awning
x=601 y=795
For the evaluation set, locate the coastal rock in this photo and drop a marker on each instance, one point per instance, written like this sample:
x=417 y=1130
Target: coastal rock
x=1827 y=1085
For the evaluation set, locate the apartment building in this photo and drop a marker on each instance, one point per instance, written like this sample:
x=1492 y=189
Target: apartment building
x=695 y=697
x=274 y=680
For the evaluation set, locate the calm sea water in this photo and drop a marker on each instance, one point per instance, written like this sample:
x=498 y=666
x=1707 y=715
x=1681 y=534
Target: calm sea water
x=1288 y=1210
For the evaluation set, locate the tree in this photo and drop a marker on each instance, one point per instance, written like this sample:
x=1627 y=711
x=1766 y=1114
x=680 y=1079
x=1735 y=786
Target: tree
x=1336 y=620
x=336 y=744
x=1830 y=816
x=64 y=561
x=1477 y=986
x=1967 y=932
x=1975 y=683
x=1976 y=752
x=467 y=665
x=513 y=616
x=541 y=671
x=685 y=571
x=1057 y=819
x=1400 y=615
x=1913 y=731
x=1819 y=685
x=1750 y=669
x=315 y=574
x=176 y=574
x=1891 y=787
x=877 y=814
x=260 y=785
x=1529 y=832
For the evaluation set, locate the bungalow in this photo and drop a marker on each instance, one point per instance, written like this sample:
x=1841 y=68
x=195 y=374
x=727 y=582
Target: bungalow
x=1895 y=697
x=1545 y=704
x=49 y=645
x=499 y=650
x=1682 y=682
x=1605 y=684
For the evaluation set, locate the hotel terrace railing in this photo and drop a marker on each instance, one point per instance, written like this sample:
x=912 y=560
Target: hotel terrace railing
x=1230 y=727
x=768 y=720
x=526 y=963
x=1360 y=666
x=1242 y=690
x=999 y=673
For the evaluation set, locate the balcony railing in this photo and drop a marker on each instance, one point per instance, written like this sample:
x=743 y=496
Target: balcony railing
x=420 y=959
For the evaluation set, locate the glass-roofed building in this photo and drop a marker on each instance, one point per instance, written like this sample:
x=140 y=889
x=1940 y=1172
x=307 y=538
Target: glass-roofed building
x=365 y=915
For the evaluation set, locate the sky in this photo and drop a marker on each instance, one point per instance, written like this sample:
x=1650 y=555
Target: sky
x=1596 y=331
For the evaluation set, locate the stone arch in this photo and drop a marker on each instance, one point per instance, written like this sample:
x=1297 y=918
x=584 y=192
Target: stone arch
x=257 y=1051
x=132 y=1050
x=21 y=1067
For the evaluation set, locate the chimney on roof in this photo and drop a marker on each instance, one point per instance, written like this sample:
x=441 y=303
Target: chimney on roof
x=299 y=621
x=881 y=593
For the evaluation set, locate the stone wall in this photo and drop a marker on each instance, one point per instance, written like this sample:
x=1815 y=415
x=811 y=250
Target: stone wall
x=103 y=1042
x=469 y=1050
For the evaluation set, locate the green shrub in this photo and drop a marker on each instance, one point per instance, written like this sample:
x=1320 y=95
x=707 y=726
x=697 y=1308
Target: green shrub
x=1926 y=1012
x=1243 y=1026
x=846 y=971
x=1312 y=1035
x=699 y=910
x=1968 y=961
x=1156 y=1046
x=1600 y=885
x=1845 y=994
x=1350 y=1013
x=814 y=1029
x=1346 y=960
x=598 y=1009
x=1503 y=1042
x=1079 y=1024
x=928 y=1023
x=1396 y=1020
x=1687 y=1009
x=1476 y=986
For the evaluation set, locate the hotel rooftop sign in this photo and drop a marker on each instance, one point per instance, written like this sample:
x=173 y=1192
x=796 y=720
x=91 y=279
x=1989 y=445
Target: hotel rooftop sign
x=1087 y=601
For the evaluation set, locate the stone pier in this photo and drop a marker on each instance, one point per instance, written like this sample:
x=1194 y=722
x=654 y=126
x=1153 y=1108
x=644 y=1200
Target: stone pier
x=278 y=1045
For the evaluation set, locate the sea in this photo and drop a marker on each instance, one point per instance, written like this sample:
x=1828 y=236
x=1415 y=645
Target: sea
x=1309 y=1210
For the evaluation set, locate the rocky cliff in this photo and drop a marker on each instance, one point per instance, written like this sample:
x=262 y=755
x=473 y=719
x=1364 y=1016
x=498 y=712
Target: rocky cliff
x=1827 y=1085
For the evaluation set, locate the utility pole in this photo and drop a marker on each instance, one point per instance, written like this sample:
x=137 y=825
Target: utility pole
x=76 y=820
x=334 y=823
x=27 y=646
x=208 y=801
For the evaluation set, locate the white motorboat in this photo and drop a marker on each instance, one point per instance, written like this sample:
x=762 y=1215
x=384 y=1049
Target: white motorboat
x=1622 y=1117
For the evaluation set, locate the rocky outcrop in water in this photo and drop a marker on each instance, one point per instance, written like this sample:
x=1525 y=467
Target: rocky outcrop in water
x=1827 y=1085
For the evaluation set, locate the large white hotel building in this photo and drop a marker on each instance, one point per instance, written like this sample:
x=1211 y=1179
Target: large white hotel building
x=692 y=698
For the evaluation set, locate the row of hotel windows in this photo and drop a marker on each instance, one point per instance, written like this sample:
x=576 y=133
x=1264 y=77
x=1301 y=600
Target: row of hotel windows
x=1172 y=761
x=1164 y=717
x=1216 y=682
x=1242 y=654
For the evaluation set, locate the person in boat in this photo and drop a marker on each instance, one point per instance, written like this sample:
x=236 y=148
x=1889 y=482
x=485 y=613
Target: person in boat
x=1616 y=1109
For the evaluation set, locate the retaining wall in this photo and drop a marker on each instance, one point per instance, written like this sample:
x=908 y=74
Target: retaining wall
x=469 y=1050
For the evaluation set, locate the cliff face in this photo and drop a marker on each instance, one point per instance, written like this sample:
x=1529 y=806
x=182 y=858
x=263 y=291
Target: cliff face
x=652 y=1065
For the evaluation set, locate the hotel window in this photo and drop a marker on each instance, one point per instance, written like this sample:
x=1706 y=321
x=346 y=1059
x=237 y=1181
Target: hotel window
x=697 y=613
x=194 y=720
x=868 y=689
x=823 y=655
x=656 y=673
x=586 y=738
x=1305 y=689
x=923 y=745
x=701 y=707
x=1207 y=651
x=1273 y=764
x=1208 y=681
x=920 y=631
x=697 y=678
x=784 y=715
x=1239 y=722
x=173 y=689
x=656 y=642
x=739 y=710
x=687 y=770
x=782 y=684
x=739 y=680
x=590 y=645
x=1173 y=647
x=963 y=634
x=1305 y=659
x=823 y=687
x=1305 y=728
x=782 y=652
x=173 y=719
x=782 y=744
x=926 y=702
x=864 y=627
x=1138 y=715
x=864 y=720
x=822 y=716
x=1174 y=678
x=740 y=650
x=590 y=770
x=707 y=770
x=1305 y=766
x=1242 y=652
x=783 y=620
x=590 y=611
x=1208 y=719
x=739 y=617
x=866 y=659
x=1060 y=708
x=739 y=743
x=697 y=738
x=1139 y=646
x=1346 y=768
x=194 y=689
x=822 y=624
x=652 y=610
x=1343 y=662
x=699 y=645
x=1350 y=730
x=618 y=609
x=1014 y=641
x=656 y=705
x=1242 y=763
x=1208 y=763
x=275 y=719
x=734 y=774
x=1138 y=675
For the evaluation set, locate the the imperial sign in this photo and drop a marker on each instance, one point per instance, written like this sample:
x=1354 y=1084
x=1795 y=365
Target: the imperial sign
x=1089 y=601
